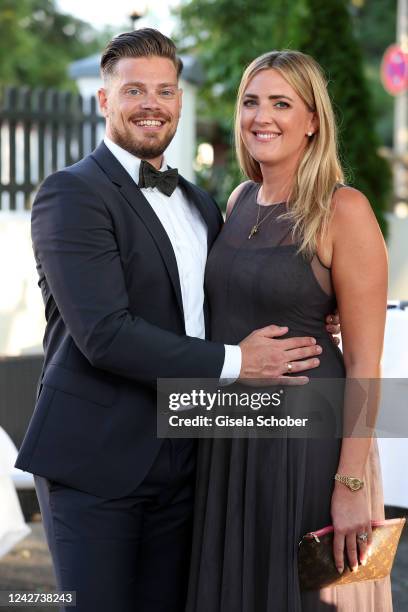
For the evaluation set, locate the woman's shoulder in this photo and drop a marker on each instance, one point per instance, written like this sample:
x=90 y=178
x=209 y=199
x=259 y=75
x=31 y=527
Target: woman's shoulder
x=351 y=218
x=350 y=208
x=348 y=201
x=235 y=195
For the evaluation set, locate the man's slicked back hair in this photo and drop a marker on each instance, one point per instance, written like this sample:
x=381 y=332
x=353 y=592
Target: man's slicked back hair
x=145 y=42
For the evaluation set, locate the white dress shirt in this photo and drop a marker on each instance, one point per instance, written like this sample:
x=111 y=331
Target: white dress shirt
x=187 y=233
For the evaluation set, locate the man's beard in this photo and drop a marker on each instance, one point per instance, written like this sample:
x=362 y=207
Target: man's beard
x=142 y=150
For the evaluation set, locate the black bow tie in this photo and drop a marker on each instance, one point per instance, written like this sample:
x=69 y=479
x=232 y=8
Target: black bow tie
x=165 y=181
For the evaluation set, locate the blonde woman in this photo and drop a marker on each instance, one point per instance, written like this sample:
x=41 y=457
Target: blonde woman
x=296 y=243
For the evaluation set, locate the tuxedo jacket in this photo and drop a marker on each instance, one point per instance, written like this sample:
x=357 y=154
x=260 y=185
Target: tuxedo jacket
x=115 y=323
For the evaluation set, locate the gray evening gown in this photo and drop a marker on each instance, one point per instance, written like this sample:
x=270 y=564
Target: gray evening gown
x=257 y=497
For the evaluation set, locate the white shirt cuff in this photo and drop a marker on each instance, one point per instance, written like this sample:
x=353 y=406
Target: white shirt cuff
x=232 y=365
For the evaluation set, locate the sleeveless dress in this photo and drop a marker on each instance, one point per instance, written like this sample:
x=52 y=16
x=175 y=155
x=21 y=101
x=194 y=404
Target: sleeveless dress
x=257 y=497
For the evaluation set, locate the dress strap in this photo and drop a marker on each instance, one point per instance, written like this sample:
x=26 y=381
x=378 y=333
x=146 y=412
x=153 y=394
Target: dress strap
x=242 y=194
x=337 y=186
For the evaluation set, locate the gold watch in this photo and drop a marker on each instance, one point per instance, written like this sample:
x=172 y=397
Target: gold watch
x=354 y=484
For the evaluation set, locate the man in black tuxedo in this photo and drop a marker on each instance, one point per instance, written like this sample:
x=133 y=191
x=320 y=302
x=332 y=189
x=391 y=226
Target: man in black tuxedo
x=120 y=247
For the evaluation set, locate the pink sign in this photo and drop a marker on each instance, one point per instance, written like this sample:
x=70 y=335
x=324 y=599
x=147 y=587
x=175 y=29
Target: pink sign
x=394 y=70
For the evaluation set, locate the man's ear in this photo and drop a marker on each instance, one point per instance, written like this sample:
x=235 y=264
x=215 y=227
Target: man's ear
x=103 y=101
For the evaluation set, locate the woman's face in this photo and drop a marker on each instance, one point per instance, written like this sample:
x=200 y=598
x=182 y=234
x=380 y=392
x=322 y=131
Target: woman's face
x=274 y=120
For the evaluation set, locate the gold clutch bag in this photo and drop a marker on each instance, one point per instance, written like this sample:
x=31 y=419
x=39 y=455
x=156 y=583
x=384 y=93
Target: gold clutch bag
x=316 y=562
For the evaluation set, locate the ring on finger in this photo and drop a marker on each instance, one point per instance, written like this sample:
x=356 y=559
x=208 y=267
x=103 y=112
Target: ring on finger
x=289 y=367
x=362 y=537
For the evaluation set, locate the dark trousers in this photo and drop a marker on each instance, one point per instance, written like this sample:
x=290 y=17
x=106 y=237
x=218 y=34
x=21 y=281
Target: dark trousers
x=129 y=554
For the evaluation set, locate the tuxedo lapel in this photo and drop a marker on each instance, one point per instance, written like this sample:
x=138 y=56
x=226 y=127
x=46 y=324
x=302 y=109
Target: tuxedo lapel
x=135 y=198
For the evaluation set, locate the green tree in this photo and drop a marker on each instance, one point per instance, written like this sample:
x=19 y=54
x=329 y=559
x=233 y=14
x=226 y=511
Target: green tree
x=37 y=43
x=375 y=27
x=326 y=33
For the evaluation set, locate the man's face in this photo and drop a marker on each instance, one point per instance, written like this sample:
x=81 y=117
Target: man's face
x=141 y=102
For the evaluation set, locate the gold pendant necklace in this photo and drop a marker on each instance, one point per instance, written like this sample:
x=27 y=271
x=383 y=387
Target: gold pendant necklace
x=253 y=231
x=255 y=228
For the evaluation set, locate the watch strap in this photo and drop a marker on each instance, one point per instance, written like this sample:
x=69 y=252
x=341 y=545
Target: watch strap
x=353 y=483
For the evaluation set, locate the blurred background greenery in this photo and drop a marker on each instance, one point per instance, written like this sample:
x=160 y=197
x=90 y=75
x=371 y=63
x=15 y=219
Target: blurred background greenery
x=38 y=42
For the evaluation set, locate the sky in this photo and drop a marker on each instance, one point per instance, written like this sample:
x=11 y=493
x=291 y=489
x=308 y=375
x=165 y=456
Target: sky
x=116 y=13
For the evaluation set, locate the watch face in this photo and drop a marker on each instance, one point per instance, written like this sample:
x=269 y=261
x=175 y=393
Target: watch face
x=355 y=484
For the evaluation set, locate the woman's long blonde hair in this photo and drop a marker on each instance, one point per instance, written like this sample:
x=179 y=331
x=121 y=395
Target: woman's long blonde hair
x=319 y=169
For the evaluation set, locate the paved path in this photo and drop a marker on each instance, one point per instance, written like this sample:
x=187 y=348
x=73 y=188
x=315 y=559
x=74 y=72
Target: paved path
x=27 y=567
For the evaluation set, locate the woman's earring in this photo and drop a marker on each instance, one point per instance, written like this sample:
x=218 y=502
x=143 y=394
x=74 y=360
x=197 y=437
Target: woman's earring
x=310 y=134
